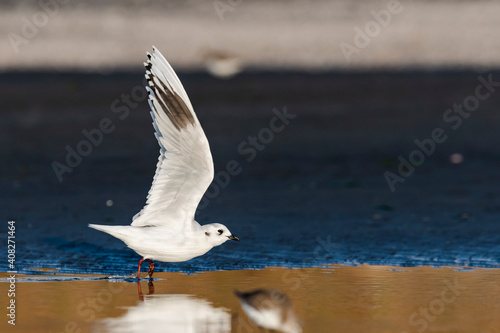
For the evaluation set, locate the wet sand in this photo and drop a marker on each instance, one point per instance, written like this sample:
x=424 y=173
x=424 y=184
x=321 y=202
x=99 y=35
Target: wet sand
x=330 y=299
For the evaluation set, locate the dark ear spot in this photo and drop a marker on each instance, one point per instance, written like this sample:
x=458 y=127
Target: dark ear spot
x=207 y=233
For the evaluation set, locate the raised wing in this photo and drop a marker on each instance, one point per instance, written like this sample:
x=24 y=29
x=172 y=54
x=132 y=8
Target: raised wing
x=185 y=167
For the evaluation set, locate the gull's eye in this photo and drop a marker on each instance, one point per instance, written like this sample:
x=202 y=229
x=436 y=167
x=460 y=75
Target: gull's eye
x=220 y=231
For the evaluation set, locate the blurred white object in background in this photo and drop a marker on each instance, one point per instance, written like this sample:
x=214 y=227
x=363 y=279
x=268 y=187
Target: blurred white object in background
x=222 y=64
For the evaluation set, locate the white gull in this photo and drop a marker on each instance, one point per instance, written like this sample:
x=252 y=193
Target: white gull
x=165 y=229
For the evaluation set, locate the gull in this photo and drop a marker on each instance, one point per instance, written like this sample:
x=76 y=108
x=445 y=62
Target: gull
x=270 y=309
x=165 y=229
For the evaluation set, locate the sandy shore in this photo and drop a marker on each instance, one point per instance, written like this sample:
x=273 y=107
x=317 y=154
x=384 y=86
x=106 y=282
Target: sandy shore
x=300 y=34
x=331 y=299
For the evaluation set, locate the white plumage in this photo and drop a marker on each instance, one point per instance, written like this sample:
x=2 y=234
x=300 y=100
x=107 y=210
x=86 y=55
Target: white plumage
x=165 y=228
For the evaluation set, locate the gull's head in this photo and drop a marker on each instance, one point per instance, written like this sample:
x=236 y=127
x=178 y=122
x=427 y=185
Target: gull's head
x=217 y=233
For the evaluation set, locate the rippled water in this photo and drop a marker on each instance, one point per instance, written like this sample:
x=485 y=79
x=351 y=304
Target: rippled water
x=330 y=299
x=320 y=181
x=315 y=196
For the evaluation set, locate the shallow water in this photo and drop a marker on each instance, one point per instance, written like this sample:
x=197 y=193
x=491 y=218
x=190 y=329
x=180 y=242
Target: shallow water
x=329 y=299
x=315 y=196
x=321 y=181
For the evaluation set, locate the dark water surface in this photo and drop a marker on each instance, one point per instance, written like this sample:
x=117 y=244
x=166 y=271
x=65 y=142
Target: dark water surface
x=310 y=192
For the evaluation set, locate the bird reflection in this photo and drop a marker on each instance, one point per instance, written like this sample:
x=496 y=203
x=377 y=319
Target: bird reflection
x=151 y=288
x=270 y=309
x=169 y=313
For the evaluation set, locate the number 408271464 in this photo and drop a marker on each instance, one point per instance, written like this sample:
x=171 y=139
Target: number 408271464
x=11 y=247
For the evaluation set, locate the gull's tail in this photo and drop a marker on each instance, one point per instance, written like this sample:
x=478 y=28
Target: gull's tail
x=118 y=231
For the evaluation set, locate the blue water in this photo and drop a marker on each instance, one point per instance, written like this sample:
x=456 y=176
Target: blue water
x=314 y=195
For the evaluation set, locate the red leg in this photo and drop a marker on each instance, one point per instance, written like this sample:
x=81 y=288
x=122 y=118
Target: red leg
x=151 y=268
x=139 y=269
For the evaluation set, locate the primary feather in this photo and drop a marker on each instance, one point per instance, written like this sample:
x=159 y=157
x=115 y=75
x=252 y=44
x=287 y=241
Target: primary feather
x=185 y=167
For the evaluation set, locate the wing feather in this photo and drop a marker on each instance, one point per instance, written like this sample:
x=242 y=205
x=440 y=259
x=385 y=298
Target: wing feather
x=185 y=167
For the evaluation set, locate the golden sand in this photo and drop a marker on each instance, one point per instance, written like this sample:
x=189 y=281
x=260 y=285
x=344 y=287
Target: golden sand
x=333 y=299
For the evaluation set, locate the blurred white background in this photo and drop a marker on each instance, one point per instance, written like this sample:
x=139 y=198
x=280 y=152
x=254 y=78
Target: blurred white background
x=296 y=34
